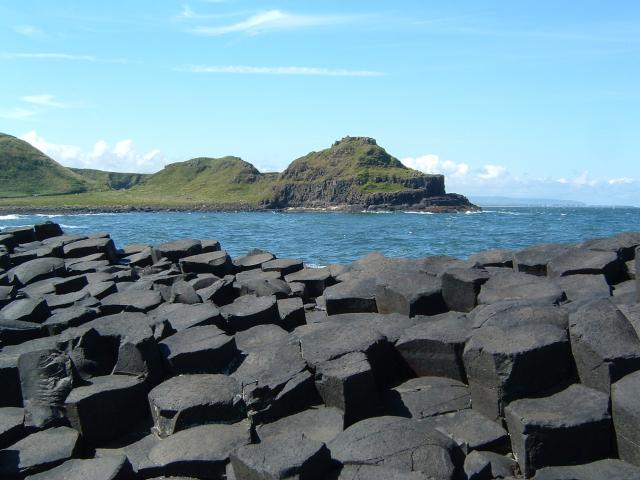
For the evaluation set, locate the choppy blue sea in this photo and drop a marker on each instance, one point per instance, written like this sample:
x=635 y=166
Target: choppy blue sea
x=326 y=237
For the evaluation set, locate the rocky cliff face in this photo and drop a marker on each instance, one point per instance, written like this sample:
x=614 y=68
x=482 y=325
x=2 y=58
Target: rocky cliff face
x=328 y=193
x=357 y=173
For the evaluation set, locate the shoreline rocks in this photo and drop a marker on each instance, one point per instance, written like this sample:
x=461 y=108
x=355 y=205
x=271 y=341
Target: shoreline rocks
x=178 y=360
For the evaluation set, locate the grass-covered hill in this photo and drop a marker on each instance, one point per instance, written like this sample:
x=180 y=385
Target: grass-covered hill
x=104 y=181
x=26 y=171
x=353 y=171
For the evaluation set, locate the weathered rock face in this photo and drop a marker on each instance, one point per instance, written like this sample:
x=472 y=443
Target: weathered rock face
x=511 y=365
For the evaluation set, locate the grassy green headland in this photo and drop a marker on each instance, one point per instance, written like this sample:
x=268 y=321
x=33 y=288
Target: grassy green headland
x=30 y=179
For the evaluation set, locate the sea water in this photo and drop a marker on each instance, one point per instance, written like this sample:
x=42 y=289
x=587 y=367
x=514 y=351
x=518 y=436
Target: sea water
x=321 y=238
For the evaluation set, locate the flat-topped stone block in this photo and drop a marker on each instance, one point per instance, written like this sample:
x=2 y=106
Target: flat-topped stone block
x=39 y=451
x=201 y=452
x=604 y=343
x=189 y=400
x=288 y=455
x=506 y=364
x=625 y=409
x=321 y=424
x=107 y=408
x=425 y=397
x=434 y=347
x=203 y=349
x=572 y=426
x=179 y=249
x=396 y=443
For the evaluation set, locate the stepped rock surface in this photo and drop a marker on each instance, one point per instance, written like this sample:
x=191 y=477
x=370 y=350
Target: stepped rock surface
x=192 y=364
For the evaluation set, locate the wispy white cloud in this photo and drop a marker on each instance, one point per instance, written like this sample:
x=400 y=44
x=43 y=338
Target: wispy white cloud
x=58 y=56
x=272 y=20
x=18 y=113
x=188 y=14
x=623 y=181
x=122 y=157
x=497 y=180
x=29 y=31
x=250 y=70
x=45 y=100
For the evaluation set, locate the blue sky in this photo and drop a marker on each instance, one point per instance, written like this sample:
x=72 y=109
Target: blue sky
x=526 y=98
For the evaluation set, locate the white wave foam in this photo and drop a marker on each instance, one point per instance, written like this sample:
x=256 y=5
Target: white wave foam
x=52 y=215
x=70 y=226
x=376 y=211
x=419 y=213
x=10 y=217
x=314 y=265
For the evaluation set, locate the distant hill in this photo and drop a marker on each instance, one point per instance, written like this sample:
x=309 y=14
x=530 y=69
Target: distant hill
x=353 y=173
x=486 y=201
x=25 y=170
x=101 y=180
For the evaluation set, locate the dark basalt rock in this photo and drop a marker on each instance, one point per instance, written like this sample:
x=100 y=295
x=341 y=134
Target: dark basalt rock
x=106 y=408
x=21 y=234
x=534 y=260
x=220 y=292
x=260 y=336
x=321 y=424
x=506 y=364
x=91 y=246
x=37 y=269
x=425 y=397
x=14 y=332
x=315 y=280
x=218 y=263
x=480 y=465
x=512 y=286
x=46 y=378
x=352 y=296
x=179 y=249
x=576 y=261
x=461 y=286
x=113 y=467
x=252 y=260
x=248 y=311
x=181 y=316
x=309 y=357
x=572 y=426
x=284 y=266
x=12 y=426
x=604 y=343
x=347 y=383
x=190 y=400
x=410 y=294
x=433 y=347
x=131 y=301
x=610 y=468
x=400 y=444
x=275 y=381
x=39 y=451
x=203 y=349
x=471 y=431
x=626 y=417
x=291 y=312
x=584 y=287
x=493 y=258
x=201 y=452
x=284 y=456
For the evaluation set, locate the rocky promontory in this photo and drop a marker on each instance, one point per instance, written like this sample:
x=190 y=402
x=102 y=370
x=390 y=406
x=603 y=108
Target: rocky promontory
x=176 y=360
x=355 y=173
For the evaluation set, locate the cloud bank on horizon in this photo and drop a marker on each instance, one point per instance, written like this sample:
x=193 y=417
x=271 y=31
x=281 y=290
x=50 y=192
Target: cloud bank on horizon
x=528 y=98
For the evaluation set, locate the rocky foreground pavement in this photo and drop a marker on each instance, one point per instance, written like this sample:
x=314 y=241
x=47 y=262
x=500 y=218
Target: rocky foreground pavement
x=178 y=361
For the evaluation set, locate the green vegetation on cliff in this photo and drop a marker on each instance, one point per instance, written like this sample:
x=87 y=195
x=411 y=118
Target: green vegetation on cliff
x=357 y=159
x=355 y=170
x=25 y=170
